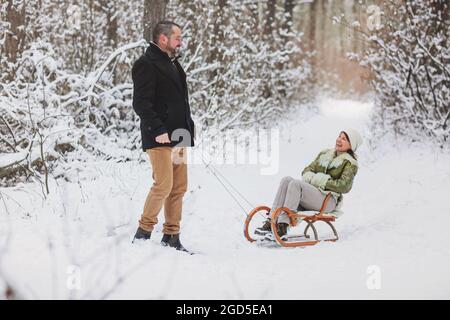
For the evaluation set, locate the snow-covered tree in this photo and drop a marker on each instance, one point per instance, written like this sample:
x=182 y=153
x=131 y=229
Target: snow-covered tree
x=409 y=61
x=238 y=74
x=67 y=93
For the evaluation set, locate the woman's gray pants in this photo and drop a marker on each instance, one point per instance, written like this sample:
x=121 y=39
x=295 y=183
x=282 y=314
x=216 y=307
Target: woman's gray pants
x=299 y=195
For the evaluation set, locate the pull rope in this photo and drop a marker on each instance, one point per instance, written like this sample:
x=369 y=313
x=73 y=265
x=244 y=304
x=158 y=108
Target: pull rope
x=222 y=181
x=232 y=186
x=216 y=172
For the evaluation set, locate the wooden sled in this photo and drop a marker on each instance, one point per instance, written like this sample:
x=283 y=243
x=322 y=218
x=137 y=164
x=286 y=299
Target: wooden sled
x=295 y=218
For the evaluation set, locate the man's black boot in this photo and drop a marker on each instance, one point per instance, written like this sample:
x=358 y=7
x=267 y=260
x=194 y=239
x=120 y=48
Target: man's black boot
x=173 y=240
x=142 y=234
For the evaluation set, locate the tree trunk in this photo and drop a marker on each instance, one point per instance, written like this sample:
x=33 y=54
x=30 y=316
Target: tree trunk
x=289 y=12
x=312 y=33
x=270 y=18
x=112 y=25
x=356 y=17
x=154 y=11
x=15 y=36
x=323 y=26
x=218 y=30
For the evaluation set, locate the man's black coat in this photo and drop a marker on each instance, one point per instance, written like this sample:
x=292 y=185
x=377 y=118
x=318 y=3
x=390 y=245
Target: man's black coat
x=160 y=98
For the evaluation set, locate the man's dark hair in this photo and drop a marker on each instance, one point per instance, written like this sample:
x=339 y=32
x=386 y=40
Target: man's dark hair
x=163 y=27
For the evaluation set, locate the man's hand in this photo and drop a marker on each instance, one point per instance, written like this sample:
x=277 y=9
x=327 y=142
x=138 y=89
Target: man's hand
x=163 y=138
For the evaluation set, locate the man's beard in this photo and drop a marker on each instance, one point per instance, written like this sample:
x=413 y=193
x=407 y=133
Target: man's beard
x=176 y=52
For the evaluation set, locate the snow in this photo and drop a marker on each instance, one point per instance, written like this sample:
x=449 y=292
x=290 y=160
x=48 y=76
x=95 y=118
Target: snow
x=7 y=159
x=345 y=108
x=76 y=244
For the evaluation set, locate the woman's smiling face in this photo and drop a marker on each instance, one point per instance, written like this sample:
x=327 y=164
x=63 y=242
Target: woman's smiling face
x=342 y=143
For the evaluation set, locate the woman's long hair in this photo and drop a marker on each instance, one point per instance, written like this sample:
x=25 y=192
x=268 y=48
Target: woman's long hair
x=350 y=151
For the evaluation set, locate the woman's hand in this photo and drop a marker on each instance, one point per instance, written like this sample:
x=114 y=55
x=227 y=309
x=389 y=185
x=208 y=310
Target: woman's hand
x=307 y=176
x=320 y=180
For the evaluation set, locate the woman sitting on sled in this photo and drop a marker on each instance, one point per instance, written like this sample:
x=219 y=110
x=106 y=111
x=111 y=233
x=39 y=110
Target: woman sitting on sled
x=332 y=171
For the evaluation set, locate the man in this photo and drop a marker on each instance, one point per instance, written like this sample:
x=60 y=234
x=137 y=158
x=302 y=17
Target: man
x=161 y=100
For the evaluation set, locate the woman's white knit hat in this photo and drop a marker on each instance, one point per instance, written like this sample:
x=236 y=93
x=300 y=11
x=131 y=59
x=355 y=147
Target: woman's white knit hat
x=354 y=137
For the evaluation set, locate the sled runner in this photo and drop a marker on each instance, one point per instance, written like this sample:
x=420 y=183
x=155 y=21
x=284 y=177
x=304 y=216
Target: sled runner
x=309 y=217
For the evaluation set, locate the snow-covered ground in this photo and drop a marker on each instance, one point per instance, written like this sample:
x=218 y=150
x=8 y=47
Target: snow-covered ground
x=394 y=235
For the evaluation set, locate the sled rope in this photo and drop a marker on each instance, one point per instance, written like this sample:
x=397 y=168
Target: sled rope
x=231 y=185
x=215 y=172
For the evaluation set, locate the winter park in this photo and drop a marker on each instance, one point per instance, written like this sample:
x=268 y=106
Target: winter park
x=224 y=150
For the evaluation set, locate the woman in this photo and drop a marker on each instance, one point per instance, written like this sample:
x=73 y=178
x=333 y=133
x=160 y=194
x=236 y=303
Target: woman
x=332 y=171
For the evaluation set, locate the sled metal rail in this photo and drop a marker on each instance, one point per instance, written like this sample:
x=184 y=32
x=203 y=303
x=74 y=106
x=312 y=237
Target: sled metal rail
x=294 y=219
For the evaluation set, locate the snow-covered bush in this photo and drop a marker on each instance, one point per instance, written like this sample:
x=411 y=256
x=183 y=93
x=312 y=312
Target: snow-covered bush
x=238 y=75
x=409 y=60
x=67 y=94
x=47 y=112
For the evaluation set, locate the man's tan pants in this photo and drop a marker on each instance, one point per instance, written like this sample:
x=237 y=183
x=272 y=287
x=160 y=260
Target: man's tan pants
x=170 y=183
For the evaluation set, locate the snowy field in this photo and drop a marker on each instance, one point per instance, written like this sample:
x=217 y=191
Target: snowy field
x=394 y=236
